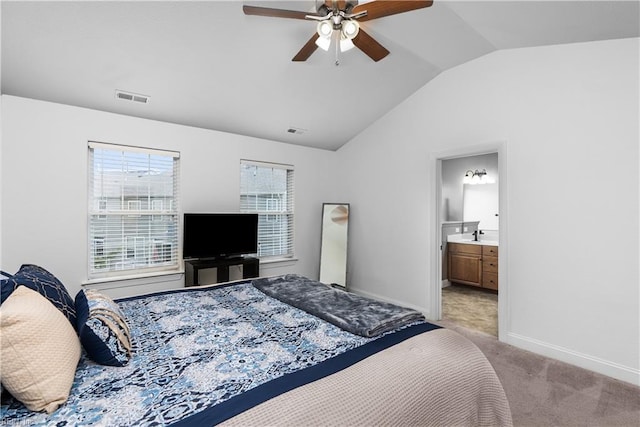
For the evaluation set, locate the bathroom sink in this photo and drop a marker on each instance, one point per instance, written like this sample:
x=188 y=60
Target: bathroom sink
x=468 y=239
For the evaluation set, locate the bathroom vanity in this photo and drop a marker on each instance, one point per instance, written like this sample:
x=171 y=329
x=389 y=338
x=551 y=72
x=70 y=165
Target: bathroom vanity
x=473 y=263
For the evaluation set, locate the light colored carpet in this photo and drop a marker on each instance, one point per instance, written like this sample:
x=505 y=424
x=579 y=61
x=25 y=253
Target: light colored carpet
x=471 y=307
x=546 y=392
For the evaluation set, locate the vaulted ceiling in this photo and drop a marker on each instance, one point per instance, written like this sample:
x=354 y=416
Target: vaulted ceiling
x=207 y=64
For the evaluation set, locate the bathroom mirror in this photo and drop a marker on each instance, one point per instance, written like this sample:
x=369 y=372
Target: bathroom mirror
x=480 y=203
x=333 y=244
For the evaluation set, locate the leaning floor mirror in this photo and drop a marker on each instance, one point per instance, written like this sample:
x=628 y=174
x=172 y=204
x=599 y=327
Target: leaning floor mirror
x=333 y=246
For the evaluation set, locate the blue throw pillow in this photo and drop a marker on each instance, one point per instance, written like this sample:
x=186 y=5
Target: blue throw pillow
x=7 y=286
x=102 y=328
x=46 y=284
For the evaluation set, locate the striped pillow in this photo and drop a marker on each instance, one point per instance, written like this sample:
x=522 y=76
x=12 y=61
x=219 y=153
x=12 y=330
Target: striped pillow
x=102 y=328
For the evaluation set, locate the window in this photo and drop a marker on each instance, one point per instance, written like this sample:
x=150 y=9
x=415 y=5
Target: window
x=157 y=205
x=98 y=246
x=267 y=189
x=102 y=206
x=133 y=215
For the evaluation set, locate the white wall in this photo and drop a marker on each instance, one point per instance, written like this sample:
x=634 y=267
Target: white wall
x=569 y=116
x=44 y=185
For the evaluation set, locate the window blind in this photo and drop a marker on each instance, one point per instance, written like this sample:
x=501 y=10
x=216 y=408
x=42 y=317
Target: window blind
x=133 y=210
x=267 y=189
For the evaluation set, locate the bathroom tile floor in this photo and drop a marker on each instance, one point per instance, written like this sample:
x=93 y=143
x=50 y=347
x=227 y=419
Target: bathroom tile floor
x=471 y=308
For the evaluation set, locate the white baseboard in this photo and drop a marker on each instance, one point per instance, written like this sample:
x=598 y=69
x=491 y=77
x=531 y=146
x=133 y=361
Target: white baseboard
x=601 y=366
x=389 y=300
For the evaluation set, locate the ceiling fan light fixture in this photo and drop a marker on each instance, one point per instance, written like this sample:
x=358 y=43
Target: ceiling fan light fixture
x=346 y=44
x=350 y=29
x=323 y=43
x=324 y=29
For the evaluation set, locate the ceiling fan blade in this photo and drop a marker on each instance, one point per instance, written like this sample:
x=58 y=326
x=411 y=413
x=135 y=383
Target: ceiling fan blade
x=340 y=4
x=368 y=45
x=276 y=13
x=380 y=8
x=307 y=49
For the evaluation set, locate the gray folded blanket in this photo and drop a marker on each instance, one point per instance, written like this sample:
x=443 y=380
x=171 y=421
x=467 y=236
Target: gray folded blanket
x=353 y=313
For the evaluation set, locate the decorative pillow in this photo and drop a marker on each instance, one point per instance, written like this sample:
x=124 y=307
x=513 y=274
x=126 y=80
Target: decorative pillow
x=102 y=328
x=39 y=351
x=6 y=284
x=45 y=283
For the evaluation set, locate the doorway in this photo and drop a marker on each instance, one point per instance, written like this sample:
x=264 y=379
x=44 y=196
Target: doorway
x=463 y=300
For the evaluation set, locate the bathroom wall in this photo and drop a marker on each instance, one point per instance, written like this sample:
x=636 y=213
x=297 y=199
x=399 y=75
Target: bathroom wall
x=453 y=171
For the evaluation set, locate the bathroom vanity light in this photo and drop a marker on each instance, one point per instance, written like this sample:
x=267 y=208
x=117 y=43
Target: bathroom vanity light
x=477 y=177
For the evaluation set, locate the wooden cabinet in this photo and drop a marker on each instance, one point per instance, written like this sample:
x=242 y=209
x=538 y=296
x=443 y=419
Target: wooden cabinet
x=490 y=267
x=475 y=265
x=465 y=264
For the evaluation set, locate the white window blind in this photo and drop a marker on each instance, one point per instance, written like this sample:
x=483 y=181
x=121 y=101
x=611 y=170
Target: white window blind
x=267 y=189
x=133 y=210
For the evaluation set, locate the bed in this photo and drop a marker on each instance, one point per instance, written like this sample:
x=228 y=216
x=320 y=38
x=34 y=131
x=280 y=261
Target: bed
x=245 y=353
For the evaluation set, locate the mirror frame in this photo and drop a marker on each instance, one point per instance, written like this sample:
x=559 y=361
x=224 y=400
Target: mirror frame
x=336 y=238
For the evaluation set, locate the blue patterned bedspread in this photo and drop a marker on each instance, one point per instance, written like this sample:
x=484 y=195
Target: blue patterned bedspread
x=206 y=354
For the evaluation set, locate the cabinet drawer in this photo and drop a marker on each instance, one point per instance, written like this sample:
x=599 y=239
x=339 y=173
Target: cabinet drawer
x=490 y=264
x=490 y=280
x=461 y=248
x=490 y=250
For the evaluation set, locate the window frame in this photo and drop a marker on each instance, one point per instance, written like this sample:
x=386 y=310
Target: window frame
x=135 y=214
x=265 y=216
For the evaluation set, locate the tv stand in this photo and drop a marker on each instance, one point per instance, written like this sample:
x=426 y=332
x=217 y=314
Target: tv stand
x=250 y=268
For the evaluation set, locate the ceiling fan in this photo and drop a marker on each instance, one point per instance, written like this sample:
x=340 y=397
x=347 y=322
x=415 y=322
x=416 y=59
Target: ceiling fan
x=340 y=19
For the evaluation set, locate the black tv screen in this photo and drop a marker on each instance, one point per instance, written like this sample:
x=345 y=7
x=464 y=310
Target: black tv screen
x=219 y=235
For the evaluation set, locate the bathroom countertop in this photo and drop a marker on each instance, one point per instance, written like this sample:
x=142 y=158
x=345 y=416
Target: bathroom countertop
x=468 y=239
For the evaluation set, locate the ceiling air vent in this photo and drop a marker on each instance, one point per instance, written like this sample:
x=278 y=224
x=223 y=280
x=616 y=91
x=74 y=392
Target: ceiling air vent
x=134 y=97
x=297 y=131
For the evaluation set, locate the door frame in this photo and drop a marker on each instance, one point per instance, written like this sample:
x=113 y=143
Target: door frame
x=435 y=287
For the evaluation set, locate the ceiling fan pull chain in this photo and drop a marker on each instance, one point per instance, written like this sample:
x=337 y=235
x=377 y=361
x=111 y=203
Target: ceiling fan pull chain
x=336 y=34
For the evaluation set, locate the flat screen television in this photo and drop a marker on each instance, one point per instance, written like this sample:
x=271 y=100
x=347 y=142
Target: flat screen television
x=219 y=235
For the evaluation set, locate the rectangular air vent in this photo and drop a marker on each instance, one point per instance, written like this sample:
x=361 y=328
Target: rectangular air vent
x=134 y=97
x=297 y=131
